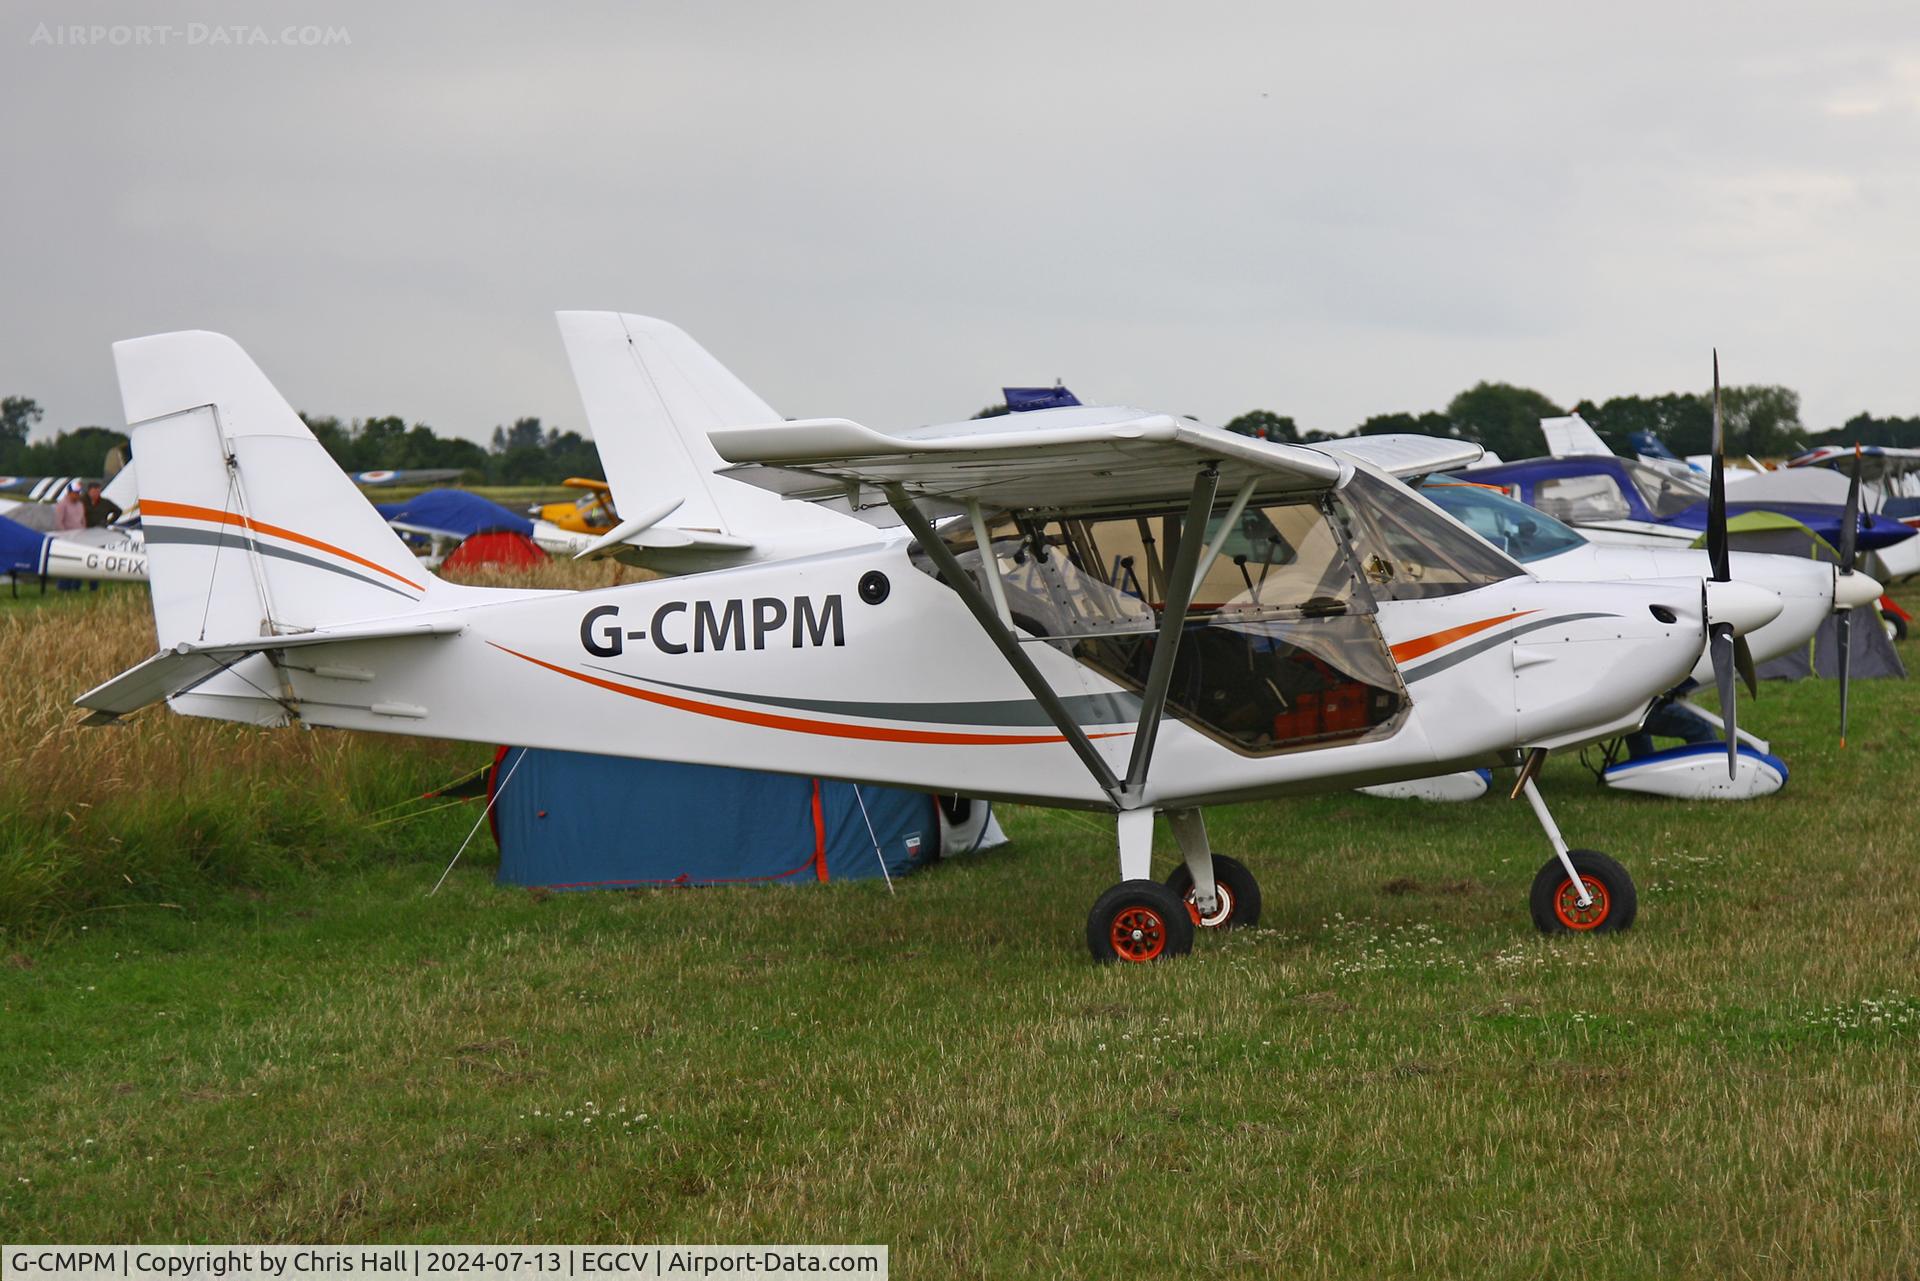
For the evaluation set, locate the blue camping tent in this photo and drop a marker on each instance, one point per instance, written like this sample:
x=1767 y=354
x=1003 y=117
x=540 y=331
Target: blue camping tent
x=454 y=513
x=576 y=821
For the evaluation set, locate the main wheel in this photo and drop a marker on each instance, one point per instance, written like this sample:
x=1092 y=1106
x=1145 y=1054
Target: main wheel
x=1896 y=626
x=1139 y=921
x=1238 y=892
x=1556 y=903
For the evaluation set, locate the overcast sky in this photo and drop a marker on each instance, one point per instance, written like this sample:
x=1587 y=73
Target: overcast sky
x=886 y=211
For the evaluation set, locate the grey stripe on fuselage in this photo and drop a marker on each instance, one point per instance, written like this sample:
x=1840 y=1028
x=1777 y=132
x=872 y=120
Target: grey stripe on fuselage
x=208 y=538
x=1086 y=709
x=1442 y=663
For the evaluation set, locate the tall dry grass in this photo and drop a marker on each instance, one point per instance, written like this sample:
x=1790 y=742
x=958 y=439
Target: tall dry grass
x=166 y=807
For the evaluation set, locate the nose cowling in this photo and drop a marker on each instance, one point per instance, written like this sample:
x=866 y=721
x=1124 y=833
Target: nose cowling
x=1743 y=605
x=1851 y=591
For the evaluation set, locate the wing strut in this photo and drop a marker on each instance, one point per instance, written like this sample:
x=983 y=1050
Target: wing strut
x=1181 y=577
x=1173 y=620
x=1002 y=636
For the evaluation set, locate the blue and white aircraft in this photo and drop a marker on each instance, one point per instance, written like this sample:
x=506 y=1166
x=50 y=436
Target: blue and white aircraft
x=1656 y=503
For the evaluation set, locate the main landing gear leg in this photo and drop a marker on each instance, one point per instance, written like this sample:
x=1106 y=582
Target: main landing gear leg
x=1220 y=893
x=1577 y=891
x=1138 y=920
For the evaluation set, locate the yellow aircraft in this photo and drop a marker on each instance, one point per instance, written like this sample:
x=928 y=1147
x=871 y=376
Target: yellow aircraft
x=591 y=513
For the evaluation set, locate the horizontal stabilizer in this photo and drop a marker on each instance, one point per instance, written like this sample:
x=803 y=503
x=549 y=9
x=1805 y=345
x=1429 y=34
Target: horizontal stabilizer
x=187 y=664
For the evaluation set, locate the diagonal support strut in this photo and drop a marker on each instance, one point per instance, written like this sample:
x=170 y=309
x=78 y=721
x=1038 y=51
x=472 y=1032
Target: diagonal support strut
x=1002 y=636
x=1173 y=619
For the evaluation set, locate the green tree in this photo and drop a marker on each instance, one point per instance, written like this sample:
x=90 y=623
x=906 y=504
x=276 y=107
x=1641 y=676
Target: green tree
x=1761 y=420
x=1427 y=424
x=1866 y=429
x=336 y=439
x=1682 y=420
x=18 y=414
x=1503 y=417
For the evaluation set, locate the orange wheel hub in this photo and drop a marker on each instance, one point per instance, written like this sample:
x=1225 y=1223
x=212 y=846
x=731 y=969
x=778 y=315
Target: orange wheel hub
x=1566 y=904
x=1223 y=908
x=1138 y=934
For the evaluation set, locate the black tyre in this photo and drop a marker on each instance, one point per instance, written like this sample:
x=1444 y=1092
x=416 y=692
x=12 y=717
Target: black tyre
x=1239 y=894
x=1896 y=626
x=1555 y=903
x=1139 y=921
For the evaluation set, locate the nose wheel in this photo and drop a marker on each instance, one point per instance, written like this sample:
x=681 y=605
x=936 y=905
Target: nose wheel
x=1138 y=922
x=1610 y=899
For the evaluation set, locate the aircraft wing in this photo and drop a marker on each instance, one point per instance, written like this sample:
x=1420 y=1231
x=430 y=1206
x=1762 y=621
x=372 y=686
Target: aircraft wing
x=1406 y=456
x=405 y=476
x=1081 y=458
x=177 y=670
x=1876 y=461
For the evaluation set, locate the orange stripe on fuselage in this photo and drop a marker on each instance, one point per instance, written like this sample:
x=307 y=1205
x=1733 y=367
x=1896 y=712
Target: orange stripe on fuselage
x=1407 y=651
x=188 y=511
x=799 y=724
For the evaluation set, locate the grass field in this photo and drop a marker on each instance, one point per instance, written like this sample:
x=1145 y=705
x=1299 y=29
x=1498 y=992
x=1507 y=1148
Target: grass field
x=1393 y=1075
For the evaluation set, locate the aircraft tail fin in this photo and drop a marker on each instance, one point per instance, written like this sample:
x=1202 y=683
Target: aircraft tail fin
x=251 y=528
x=1572 y=437
x=652 y=395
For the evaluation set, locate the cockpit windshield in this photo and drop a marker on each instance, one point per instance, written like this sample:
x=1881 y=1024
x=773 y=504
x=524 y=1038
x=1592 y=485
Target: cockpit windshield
x=1410 y=552
x=1667 y=493
x=1522 y=532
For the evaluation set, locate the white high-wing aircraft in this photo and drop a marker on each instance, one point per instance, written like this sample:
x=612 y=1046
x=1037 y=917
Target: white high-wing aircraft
x=1171 y=616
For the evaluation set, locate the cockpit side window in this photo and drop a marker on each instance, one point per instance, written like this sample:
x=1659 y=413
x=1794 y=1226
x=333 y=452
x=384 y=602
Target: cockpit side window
x=1520 y=531
x=1280 y=648
x=1576 y=499
x=1408 y=551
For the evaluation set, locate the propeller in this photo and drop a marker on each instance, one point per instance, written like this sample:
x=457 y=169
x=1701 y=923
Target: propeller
x=1849 y=541
x=1728 y=650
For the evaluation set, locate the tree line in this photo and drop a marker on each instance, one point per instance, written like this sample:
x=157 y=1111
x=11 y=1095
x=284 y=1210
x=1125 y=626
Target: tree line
x=527 y=453
x=1762 y=420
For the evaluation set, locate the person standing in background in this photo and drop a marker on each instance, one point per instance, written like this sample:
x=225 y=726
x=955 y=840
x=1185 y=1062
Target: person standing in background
x=100 y=512
x=69 y=513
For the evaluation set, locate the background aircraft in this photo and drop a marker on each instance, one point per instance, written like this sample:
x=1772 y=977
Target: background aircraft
x=104 y=554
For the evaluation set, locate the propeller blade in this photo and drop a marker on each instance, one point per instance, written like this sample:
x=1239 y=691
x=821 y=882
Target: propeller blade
x=1743 y=663
x=1846 y=667
x=1720 y=639
x=1849 y=525
x=1717 y=488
